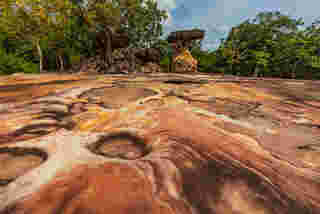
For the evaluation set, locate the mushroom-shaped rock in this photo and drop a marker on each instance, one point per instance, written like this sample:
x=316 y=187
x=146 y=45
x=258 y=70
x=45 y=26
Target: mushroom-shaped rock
x=150 y=68
x=186 y=35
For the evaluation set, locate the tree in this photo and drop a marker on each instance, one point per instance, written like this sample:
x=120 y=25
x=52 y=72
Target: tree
x=140 y=20
x=144 y=26
x=312 y=35
x=52 y=24
x=263 y=43
x=33 y=20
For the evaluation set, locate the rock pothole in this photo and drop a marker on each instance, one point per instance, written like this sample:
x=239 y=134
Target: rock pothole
x=180 y=81
x=123 y=145
x=229 y=107
x=15 y=162
x=116 y=97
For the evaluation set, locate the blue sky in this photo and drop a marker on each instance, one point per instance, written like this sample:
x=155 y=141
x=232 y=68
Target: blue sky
x=218 y=16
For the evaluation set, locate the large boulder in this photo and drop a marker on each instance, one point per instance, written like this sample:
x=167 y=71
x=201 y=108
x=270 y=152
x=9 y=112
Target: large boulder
x=185 y=63
x=150 y=68
x=149 y=55
x=127 y=60
x=124 y=60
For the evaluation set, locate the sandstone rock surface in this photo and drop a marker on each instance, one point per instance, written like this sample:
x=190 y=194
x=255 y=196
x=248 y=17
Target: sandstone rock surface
x=185 y=63
x=158 y=143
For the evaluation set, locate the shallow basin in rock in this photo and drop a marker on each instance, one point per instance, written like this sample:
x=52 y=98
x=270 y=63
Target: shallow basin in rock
x=15 y=162
x=117 y=97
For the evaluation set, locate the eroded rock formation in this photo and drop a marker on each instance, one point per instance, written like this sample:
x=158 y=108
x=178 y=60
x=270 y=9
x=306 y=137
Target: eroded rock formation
x=186 y=35
x=182 y=60
x=149 y=55
x=124 y=60
x=160 y=143
x=185 y=63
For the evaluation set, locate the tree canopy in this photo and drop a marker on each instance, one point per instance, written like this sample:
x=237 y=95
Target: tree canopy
x=270 y=44
x=56 y=34
x=72 y=26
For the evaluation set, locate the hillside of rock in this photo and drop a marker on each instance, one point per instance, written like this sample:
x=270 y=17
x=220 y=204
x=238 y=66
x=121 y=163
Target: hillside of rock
x=158 y=143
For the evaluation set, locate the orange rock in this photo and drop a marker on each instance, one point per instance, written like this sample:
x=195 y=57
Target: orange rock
x=157 y=143
x=184 y=62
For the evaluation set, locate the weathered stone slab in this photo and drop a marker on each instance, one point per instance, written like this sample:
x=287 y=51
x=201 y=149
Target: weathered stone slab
x=158 y=143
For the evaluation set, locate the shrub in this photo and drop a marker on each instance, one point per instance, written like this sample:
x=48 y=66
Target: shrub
x=75 y=59
x=10 y=63
x=164 y=63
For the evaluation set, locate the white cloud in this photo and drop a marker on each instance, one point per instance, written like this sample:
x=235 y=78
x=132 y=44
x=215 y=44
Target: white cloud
x=308 y=10
x=167 y=4
x=219 y=16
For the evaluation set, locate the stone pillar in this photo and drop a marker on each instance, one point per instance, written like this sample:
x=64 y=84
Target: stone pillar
x=181 y=59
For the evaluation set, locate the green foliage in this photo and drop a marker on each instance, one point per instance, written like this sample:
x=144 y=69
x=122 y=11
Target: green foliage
x=34 y=21
x=262 y=58
x=165 y=60
x=162 y=46
x=143 y=23
x=271 y=44
x=70 y=27
x=206 y=61
x=15 y=56
x=10 y=63
x=75 y=59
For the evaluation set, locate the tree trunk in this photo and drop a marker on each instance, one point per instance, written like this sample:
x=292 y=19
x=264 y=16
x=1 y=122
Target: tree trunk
x=293 y=70
x=40 y=56
x=108 y=47
x=57 y=63
x=256 y=71
x=60 y=57
x=132 y=63
x=172 y=65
